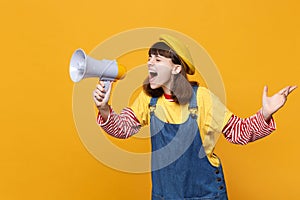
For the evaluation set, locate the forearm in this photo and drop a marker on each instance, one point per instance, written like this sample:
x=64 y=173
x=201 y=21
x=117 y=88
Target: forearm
x=121 y=125
x=104 y=112
x=243 y=131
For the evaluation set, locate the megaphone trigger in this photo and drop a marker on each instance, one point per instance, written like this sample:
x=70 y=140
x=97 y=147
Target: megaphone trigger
x=106 y=85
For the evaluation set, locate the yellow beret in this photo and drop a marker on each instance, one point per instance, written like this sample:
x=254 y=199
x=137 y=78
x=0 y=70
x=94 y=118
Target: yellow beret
x=181 y=50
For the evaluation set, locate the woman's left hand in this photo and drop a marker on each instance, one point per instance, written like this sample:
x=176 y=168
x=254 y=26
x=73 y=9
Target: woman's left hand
x=272 y=104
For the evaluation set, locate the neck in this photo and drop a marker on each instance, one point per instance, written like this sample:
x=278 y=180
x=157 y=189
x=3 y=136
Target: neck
x=167 y=86
x=166 y=90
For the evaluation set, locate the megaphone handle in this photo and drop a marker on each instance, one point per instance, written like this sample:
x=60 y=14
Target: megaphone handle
x=106 y=85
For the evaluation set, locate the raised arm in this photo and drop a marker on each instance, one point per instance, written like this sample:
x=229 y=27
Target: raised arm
x=121 y=125
x=101 y=96
x=243 y=131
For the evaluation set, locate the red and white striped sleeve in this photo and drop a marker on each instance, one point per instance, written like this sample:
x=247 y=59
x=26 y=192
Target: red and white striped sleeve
x=243 y=131
x=121 y=125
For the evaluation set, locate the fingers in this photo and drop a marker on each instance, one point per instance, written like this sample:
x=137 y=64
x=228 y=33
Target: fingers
x=97 y=102
x=287 y=90
x=100 y=92
x=101 y=86
x=97 y=99
x=284 y=90
x=292 y=88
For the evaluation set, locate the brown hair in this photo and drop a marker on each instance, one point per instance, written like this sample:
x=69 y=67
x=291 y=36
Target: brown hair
x=181 y=89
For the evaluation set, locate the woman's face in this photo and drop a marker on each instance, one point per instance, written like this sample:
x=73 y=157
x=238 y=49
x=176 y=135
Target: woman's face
x=160 y=72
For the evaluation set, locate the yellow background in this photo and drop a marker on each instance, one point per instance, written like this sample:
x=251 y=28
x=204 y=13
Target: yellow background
x=253 y=43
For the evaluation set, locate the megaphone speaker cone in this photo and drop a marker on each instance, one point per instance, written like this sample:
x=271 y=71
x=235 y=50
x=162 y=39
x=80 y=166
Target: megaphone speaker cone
x=78 y=65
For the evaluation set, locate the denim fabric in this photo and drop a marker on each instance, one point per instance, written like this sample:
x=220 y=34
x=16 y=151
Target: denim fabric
x=178 y=172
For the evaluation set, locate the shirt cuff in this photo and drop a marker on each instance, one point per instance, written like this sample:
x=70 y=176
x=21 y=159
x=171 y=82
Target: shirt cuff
x=271 y=126
x=100 y=119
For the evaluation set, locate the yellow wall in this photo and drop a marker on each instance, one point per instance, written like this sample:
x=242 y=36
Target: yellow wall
x=252 y=42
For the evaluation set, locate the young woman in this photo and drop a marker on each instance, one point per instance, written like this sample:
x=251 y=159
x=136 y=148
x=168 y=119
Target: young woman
x=185 y=120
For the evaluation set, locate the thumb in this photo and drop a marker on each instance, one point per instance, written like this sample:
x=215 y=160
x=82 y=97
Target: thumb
x=265 y=92
x=108 y=89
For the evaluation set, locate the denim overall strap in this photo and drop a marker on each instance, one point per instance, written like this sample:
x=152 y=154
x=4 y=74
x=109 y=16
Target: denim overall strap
x=153 y=101
x=193 y=108
x=178 y=172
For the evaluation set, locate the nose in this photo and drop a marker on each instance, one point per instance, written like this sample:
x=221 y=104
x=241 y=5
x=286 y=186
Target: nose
x=151 y=60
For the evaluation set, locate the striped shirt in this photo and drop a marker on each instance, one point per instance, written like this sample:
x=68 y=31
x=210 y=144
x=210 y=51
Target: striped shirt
x=237 y=130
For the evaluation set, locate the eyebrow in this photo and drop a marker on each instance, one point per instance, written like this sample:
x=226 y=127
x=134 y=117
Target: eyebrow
x=159 y=56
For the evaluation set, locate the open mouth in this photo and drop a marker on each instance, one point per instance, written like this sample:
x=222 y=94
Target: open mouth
x=152 y=74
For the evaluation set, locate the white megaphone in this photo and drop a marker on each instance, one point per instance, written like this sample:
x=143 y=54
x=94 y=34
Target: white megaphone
x=83 y=66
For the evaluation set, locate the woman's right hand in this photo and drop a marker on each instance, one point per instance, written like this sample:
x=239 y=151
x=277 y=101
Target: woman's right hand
x=101 y=96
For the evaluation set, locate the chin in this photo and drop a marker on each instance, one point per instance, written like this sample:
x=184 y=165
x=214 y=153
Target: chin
x=154 y=86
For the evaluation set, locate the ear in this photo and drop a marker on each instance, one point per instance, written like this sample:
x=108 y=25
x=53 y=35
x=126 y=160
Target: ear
x=176 y=69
